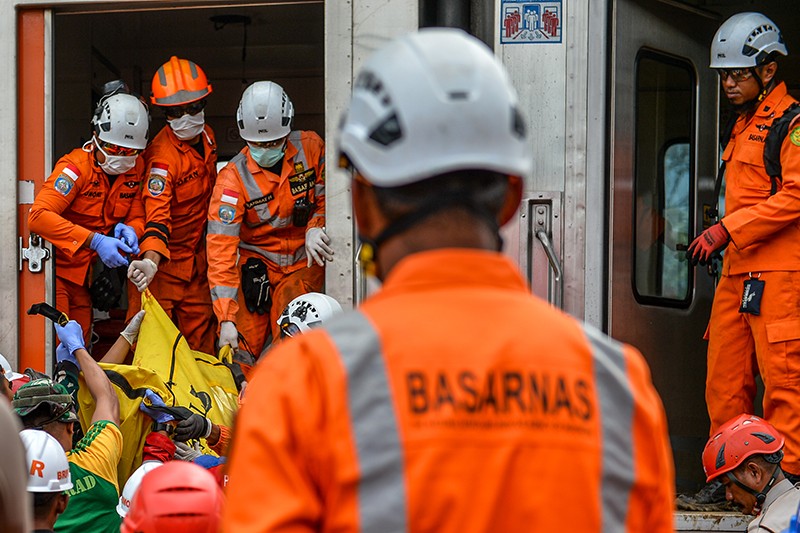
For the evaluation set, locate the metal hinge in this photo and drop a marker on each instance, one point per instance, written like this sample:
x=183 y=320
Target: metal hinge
x=36 y=253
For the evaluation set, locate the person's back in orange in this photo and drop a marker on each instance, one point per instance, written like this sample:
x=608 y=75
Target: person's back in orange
x=453 y=400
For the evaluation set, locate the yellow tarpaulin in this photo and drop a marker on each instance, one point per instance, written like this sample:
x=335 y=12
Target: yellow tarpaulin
x=165 y=363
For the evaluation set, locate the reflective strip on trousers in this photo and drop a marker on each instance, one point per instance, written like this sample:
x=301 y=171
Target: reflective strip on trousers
x=615 y=400
x=282 y=260
x=381 y=497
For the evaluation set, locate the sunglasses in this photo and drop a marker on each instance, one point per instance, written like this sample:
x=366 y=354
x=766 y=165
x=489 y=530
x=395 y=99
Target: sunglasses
x=738 y=74
x=178 y=111
x=268 y=144
x=113 y=149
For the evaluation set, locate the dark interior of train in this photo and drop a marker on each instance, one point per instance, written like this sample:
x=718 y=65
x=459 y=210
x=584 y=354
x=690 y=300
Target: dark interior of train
x=235 y=46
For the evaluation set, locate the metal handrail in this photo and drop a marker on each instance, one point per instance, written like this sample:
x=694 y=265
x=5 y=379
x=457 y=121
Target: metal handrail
x=558 y=277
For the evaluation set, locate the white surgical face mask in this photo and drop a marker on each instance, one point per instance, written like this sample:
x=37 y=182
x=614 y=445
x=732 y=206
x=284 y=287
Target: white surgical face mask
x=116 y=164
x=188 y=126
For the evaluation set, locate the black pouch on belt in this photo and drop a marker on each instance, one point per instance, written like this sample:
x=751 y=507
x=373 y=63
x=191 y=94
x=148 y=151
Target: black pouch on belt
x=751 y=296
x=255 y=286
x=106 y=289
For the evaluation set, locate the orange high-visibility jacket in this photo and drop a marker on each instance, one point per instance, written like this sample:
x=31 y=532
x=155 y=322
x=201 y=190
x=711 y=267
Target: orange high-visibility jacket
x=252 y=208
x=76 y=200
x=451 y=401
x=753 y=217
x=176 y=193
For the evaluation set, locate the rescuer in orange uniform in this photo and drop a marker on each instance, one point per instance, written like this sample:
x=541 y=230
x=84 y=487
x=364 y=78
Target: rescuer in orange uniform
x=90 y=206
x=181 y=170
x=453 y=400
x=755 y=318
x=266 y=237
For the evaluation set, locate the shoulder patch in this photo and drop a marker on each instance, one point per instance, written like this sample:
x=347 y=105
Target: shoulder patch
x=159 y=169
x=155 y=184
x=63 y=184
x=795 y=136
x=227 y=213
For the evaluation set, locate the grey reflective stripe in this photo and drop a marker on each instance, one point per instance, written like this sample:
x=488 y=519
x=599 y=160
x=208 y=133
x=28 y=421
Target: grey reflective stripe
x=294 y=138
x=381 y=498
x=221 y=291
x=182 y=97
x=283 y=260
x=319 y=188
x=220 y=228
x=616 y=419
x=253 y=190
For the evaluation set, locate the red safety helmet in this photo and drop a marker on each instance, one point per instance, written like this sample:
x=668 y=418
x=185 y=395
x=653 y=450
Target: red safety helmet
x=738 y=439
x=178 y=497
x=178 y=82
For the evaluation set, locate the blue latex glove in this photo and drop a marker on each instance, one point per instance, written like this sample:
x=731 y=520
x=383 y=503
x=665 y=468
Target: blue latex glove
x=209 y=461
x=126 y=234
x=108 y=249
x=70 y=336
x=62 y=354
x=156 y=400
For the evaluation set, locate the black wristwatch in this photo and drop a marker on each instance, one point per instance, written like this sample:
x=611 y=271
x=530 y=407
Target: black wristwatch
x=161 y=426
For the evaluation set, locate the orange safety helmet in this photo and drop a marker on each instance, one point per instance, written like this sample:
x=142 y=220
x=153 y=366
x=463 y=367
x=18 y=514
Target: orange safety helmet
x=738 y=439
x=178 y=497
x=178 y=82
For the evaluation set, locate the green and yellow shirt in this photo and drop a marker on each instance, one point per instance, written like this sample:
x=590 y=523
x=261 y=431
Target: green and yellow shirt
x=95 y=492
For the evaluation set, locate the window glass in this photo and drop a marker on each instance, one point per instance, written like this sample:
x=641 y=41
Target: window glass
x=664 y=176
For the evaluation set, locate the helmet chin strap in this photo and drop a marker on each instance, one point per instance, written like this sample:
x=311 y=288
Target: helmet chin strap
x=763 y=91
x=369 y=247
x=761 y=495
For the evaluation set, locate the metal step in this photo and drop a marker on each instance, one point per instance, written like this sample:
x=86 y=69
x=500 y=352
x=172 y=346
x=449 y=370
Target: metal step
x=691 y=521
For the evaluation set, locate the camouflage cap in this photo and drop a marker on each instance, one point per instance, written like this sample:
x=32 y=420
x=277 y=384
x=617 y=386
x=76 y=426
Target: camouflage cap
x=43 y=397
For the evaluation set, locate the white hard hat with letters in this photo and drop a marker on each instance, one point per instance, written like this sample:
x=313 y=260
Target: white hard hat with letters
x=47 y=465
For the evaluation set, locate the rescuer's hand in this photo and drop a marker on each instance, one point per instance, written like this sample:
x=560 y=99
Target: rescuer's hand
x=195 y=427
x=228 y=334
x=317 y=248
x=126 y=234
x=70 y=336
x=131 y=331
x=108 y=249
x=711 y=240
x=184 y=452
x=141 y=272
x=155 y=400
x=63 y=354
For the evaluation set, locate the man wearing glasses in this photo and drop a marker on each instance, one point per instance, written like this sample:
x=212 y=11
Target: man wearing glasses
x=267 y=210
x=755 y=320
x=181 y=171
x=89 y=205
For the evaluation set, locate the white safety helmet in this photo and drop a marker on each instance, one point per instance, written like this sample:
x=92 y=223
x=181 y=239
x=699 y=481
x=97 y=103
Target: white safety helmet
x=48 y=468
x=432 y=102
x=746 y=40
x=132 y=485
x=5 y=368
x=122 y=119
x=307 y=311
x=265 y=112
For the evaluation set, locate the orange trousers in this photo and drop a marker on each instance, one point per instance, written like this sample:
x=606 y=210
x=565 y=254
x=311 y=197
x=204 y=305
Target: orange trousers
x=74 y=300
x=743 y=345
x=284 y=288
x=188 y=304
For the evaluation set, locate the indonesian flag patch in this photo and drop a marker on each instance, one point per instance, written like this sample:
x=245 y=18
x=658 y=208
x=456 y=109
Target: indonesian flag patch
x=159 y=169
x=229 y=196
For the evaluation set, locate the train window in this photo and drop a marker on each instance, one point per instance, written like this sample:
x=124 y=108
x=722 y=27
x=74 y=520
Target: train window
x=665 y=99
